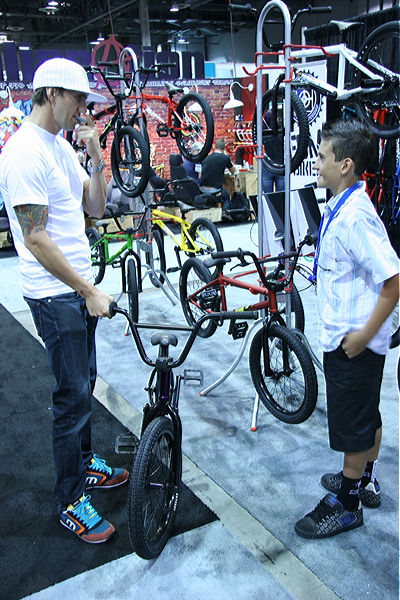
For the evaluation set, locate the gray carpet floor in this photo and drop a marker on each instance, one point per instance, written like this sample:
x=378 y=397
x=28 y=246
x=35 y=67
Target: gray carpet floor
x=258 y=482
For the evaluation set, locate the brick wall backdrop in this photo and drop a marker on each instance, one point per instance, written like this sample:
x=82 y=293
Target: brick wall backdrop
x=216 y=96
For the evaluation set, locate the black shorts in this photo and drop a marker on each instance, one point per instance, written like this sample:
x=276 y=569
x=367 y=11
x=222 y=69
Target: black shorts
x=352 y=394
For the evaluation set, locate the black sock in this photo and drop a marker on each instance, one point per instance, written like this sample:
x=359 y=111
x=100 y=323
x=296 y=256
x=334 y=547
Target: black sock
x=348 y=493
x=369 y=473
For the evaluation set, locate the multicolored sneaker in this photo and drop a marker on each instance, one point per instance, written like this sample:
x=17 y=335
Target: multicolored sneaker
x=99 y=475
x=370 y=495
x=328 y=518
x=81 y=518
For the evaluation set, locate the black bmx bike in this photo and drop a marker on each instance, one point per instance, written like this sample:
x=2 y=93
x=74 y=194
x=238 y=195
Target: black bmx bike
x=156 y=472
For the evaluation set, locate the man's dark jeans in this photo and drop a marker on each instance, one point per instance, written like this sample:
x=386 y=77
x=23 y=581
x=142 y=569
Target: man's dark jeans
x=67 y=330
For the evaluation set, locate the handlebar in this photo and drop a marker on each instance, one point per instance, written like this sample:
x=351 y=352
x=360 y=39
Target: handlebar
x=113 y=309
x=270 y=282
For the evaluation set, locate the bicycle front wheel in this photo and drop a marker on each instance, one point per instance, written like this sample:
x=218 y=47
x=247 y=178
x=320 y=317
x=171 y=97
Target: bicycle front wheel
x=97 y=254
x=195 y=124
x=273 y=143
x=283 y=374
x=153 y=493
x=206 y=239
x=130 y=161
x=132 y=290
x=380 y=53
x=297 y=309
x=194 y=275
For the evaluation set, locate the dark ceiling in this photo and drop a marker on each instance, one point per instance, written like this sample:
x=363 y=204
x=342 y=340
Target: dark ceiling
x=79 y=22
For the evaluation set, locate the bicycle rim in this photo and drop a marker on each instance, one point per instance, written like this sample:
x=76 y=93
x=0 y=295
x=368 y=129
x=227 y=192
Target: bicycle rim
x=152 y=494
x=132 y=291
x=380 y=53
x=273 y=142
x=155 y=258
x=289 y=391
x=195 y=125
x=206 y=239
x=130 y=162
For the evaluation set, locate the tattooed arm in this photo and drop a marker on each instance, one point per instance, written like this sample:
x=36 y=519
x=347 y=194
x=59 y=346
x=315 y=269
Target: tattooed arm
x=33 y=220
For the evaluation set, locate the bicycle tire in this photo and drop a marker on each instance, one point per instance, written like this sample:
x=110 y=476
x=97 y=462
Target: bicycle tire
x=207 y=239
x=157 y=260
x=193 y=276
x=395 y=331
x=199 y=126
x=97 y=255
x=299 y=116
x=297 y=309
x=131 y=173
x=152 y=493
x=133 y=121
x=382 y=46
x=132 y=290
x=290 y=393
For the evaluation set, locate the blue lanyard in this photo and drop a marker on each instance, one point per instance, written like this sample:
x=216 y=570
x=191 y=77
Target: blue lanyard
x=338 y=206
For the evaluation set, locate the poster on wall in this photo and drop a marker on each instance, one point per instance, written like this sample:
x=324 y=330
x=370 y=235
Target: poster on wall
x=315 y=105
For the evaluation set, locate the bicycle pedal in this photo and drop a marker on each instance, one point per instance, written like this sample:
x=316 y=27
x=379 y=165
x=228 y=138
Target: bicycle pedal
x=238 y=330
x=162 y=130
x=173 y=269
x=116 y=264
x=208 y=299
x=193 y=375
x=126 y=443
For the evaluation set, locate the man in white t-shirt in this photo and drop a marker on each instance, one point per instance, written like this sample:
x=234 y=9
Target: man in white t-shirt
x=46 y=193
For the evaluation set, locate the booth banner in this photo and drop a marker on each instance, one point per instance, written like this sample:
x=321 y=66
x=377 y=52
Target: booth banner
x=315 y=105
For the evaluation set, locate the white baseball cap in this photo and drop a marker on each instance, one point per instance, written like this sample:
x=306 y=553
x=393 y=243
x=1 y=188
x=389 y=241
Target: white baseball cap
x=67 y=74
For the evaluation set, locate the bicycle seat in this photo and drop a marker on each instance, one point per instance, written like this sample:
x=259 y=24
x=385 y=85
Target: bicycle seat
x=115 y=210
x=184 y=208
x=215 y=262
x=172 y=89
x=344 y=25
x=164 y=339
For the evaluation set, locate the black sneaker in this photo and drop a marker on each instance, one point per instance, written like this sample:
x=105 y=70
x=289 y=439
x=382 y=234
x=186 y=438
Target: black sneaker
x=328 y=518
x=370 y=495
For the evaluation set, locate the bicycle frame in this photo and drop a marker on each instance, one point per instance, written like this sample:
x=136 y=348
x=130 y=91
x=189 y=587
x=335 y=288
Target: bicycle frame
x=182 y=244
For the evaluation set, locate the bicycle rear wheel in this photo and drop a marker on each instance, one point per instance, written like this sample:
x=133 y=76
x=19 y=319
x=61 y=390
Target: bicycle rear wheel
x=97 y=254
x=283 y=374
x=194 y=125
x=153 y=494
x=132 y=290
x=130 y=163
x=273 y=143
x=206 y=238
x=194 y=275
x=380 y=53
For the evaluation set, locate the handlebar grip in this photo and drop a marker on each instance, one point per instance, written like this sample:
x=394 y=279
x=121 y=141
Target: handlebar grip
x=319 y=9
x=111 y=309
x=166 y=65
x=149 y=70
x=239 y=314
x=106 y=64
x=311 y=239
x=227 y=254
x=244 y=8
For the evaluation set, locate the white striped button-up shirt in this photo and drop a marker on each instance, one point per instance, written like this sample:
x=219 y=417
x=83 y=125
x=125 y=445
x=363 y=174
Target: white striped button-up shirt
x=355 y=259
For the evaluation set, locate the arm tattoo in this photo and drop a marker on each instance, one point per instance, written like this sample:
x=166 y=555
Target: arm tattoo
x=32 y=217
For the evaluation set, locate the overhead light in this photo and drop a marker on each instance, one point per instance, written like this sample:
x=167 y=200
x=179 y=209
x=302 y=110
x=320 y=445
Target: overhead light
x=49 y=9
x=174 y=8
x=52 y=3
x=232 y=102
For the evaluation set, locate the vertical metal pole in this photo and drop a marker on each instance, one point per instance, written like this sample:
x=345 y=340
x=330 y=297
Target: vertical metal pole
x=260 y=23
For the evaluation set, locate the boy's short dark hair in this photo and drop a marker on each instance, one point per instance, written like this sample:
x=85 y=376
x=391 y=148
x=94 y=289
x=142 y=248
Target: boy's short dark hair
x=220 y=144
x=351 y=139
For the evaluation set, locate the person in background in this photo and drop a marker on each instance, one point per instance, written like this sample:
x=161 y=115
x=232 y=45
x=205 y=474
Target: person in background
x=357 y=276
x=47 y=194
x=193 y=169
x=273 y=146
x=213 y=172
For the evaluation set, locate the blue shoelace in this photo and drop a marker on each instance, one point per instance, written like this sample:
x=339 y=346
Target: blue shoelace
x=100 y=465
x=85 y=512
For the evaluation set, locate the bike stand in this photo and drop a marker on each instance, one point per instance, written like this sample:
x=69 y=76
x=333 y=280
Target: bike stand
x=153 y=273
x=235 y=362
